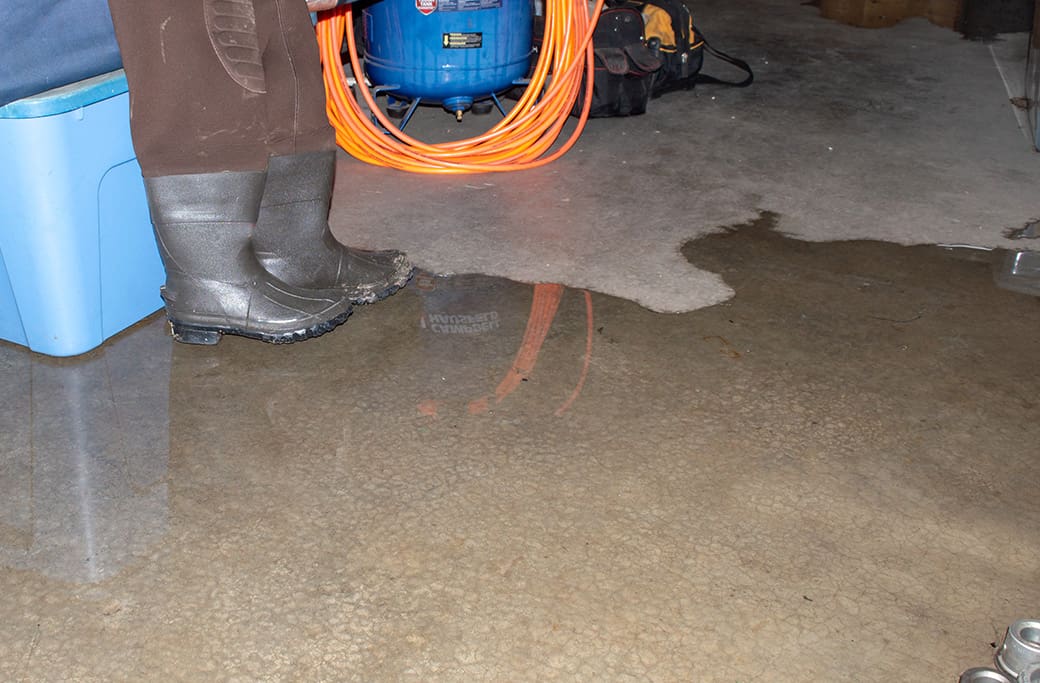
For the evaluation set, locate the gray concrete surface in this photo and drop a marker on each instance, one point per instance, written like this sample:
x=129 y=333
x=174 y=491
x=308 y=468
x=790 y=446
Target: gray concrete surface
x=828 y=471
x=903 y=134
x=831 y=477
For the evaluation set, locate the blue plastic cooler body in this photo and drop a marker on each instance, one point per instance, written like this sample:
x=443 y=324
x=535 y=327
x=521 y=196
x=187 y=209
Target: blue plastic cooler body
x=78 y=259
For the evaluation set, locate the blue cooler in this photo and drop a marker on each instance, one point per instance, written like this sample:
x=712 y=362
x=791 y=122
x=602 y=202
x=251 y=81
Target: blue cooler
x=78 y=260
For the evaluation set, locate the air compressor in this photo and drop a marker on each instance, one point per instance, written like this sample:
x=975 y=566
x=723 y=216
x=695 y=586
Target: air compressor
x=452 y=52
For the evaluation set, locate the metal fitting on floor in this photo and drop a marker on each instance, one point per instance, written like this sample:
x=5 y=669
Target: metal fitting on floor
x=1020 y=648
x=983 y=674
x=1030 y=674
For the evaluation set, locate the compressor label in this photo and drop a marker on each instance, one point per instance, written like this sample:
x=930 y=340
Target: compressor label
x=462 y=41
x=467 y=5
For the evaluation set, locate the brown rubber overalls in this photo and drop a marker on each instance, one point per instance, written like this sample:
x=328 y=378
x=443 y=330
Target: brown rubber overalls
x=220 y=85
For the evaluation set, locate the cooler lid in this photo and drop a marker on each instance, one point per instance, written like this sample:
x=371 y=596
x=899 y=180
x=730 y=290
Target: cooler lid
x=67 y=97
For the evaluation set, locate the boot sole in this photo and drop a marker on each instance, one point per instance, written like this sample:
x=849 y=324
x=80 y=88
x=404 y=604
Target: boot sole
x=208 y=335
x=377 y=296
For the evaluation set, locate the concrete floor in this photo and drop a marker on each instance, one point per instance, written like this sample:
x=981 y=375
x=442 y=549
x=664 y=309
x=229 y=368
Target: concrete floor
x=904 y=135
x=830 y=476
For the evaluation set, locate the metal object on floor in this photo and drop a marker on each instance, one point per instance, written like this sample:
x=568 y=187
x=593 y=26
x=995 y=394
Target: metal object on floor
x=1030 y=674
x=1019 y=271
x=1020 y=647
x=983 y=674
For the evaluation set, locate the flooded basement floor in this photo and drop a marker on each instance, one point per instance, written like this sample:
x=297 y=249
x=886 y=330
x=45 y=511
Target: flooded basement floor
x=831 y=477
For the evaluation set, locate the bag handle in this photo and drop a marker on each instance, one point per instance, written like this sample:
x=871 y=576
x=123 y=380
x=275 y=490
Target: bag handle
x=739 y=63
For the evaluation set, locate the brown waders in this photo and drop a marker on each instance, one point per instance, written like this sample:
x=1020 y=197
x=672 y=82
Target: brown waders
x=228 y=121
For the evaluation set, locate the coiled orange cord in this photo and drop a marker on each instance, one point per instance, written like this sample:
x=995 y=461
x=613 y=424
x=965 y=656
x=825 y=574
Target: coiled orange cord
x=521 y=140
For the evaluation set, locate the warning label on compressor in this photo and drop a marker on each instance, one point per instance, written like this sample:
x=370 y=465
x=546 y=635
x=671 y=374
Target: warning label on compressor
x=463 y=41
x=467 y=5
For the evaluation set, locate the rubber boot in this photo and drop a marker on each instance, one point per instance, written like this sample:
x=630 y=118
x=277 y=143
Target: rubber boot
x=214 y=285
x=294 y=243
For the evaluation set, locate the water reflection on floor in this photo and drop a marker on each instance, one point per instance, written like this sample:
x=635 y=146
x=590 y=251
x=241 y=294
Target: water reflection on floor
x=486 y=479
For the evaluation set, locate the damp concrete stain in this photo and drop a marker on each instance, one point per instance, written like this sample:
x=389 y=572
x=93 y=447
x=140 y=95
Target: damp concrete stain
x=923 y=306
x=848 y=445
x=1029 y=231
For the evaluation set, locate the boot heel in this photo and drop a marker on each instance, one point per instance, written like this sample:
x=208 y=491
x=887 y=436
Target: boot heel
x=186 y=334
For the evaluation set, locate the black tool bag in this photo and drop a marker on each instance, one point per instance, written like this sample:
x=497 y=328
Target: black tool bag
x=671 y=35
x=624 y=65
x=644 y=49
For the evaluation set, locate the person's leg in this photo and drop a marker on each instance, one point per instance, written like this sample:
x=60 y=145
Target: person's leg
x=295 y=106
x=197 y=85
x=198 y=96
x=293 y=240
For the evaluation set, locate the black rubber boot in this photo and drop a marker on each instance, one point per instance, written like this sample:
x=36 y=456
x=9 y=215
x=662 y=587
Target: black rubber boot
x=214 y=284
x=294 y=243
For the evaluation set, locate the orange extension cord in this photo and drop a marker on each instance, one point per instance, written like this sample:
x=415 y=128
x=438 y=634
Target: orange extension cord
x=519 y=141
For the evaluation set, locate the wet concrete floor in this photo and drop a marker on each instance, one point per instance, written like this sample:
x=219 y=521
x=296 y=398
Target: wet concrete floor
x=831 y=477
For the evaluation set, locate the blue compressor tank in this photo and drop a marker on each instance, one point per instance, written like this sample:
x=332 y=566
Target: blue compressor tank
x=447 y=51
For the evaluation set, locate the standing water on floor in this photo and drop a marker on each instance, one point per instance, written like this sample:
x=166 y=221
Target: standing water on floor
x=831 y=476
